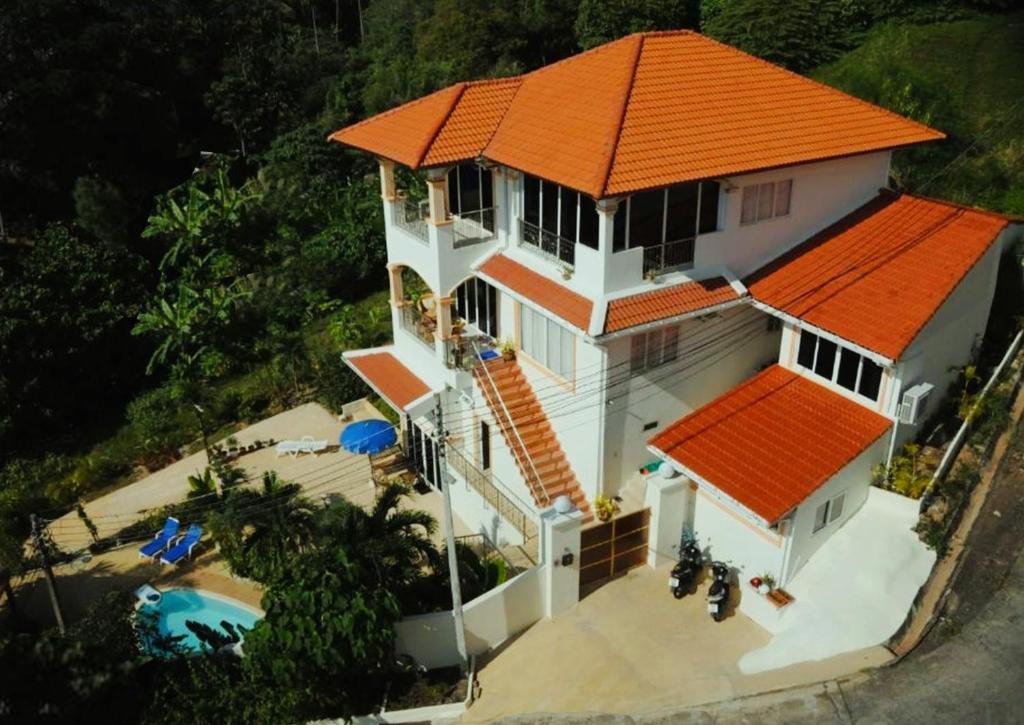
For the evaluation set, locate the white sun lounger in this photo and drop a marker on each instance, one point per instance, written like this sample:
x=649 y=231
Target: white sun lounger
x=306 y=445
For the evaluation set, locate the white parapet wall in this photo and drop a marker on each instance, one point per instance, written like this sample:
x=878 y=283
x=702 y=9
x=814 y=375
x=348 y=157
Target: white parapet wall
x=490 y=619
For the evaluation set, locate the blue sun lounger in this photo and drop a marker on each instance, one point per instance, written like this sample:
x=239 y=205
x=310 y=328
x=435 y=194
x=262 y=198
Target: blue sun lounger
x=183 y=549
x=161 y=540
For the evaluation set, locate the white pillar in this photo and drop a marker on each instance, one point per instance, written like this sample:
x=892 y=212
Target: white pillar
x=666 y=498
x=387 y=179
x=561 y=556
x=437 y=194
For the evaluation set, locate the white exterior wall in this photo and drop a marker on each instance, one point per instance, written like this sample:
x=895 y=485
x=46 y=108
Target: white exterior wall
x=822 y=193
x=855 y=480
x=665 y=394
x=490 y=619
x=946 y=343
x=731 y=535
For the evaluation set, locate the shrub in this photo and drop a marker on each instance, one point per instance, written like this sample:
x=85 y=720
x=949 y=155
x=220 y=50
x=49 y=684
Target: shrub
x=157 y=423
x=906 y=474
x=335 y=382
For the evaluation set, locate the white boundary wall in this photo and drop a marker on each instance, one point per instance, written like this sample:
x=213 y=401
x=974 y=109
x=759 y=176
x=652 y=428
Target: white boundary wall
x=490 y=619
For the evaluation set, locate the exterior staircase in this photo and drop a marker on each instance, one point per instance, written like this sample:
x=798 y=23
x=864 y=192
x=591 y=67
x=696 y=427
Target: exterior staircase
x=529 y=435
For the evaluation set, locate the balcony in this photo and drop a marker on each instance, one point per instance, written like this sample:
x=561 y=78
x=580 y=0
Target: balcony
x=460 y=350
x=547 y=244
x=668 y=257
x=412 y=216
x=473 y=227
x=419 y=324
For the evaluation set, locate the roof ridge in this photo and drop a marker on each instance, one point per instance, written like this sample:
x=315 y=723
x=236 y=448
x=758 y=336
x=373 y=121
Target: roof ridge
x=494 y=131
x=1007 y=218
x=832 y=89
x=422 y=153
x=622 y=115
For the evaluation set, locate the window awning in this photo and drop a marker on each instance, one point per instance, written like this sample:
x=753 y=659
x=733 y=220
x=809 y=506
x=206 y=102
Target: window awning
x=388 y=377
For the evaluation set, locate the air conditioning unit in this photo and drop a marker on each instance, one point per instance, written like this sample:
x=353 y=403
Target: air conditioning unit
x=914 y=403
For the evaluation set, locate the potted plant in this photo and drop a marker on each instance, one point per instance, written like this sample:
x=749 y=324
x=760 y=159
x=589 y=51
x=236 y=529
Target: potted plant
x=767 y=584
x=651 y=276
x=508 y=350
x=605 y=507
x=566 y=273
x=458 y=325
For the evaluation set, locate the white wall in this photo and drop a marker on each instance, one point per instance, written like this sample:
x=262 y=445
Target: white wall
x=822 y=193
x=730 y=536
x=490 y=619
x=946 y=342
x=855 y=480
x=707 y=367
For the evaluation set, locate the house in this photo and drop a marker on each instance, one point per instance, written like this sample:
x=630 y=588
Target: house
x=693 y=254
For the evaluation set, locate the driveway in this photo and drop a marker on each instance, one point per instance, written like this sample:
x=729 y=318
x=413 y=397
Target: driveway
x=855 y=591
x=629 y=647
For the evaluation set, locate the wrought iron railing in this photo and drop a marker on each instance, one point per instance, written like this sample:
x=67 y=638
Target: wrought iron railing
x=547 y=243
x=412 y=216
x=507 y=505
x=460 y=350
x=418 y=324
x=473 y=227
x=485 y=549
x=668 y=256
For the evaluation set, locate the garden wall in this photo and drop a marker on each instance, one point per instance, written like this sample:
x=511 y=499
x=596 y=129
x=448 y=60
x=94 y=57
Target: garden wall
x=490 y=619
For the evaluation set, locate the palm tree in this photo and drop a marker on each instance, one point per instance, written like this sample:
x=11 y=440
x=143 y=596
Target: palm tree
x=389 y=545
x=259 y=530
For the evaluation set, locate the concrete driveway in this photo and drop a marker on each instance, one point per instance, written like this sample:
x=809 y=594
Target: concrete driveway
x=631 y=647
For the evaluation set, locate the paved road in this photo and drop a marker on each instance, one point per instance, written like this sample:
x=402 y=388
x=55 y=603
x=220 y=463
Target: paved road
x=969 y=669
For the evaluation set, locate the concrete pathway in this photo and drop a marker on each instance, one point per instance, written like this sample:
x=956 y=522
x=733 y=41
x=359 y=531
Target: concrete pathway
x=631 y=647
x=855 y=591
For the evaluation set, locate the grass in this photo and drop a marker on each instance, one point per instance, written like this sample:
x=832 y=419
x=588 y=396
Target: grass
x=965 y=78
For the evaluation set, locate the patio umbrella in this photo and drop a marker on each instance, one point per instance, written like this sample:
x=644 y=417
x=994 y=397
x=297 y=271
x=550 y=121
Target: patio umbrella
x=368 y=436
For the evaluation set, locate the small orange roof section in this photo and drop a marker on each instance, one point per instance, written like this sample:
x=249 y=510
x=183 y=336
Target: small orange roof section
x=772 y=441
x=543 y=292
x=389 y=378
x=877 y=276
x=642 y=112
x=682 y=299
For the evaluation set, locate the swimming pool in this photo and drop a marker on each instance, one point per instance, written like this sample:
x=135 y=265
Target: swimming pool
x=178 y=606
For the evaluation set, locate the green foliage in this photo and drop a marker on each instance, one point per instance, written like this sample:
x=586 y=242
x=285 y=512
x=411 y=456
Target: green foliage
x=907 y=474
x=22 y=486
x=600 y=21
x=160 y=432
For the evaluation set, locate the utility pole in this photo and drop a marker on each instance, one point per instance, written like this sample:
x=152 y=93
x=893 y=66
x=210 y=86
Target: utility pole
x=37 y=538
x=449 y=531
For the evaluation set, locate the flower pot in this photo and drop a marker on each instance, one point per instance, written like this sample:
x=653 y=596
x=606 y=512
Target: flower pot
x=764 y=589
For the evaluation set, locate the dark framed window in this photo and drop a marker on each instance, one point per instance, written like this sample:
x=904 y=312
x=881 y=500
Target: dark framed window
x=470 y=189
x=560 y=211
x=663 y=216
x=476 y=302
x=854 y=372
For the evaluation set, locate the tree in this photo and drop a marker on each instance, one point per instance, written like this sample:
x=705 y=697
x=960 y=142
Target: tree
x=327 y=639
x=600 y=21
x=260 y=532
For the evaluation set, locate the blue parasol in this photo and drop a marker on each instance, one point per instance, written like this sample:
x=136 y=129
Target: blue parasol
x=368 y=436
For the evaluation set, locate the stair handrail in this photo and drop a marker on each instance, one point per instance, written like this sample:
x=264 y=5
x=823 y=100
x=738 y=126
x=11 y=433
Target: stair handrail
x=543 y=496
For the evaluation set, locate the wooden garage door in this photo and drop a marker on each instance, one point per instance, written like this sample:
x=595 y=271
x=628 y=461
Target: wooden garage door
x=612 y=548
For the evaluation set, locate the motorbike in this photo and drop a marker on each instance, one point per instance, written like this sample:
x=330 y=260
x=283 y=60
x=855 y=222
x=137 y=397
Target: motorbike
x=718 y=594
x=685 y=572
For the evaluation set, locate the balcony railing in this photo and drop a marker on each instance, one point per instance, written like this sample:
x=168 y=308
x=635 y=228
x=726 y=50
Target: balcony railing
x=419 y=324
x=460 y=350
x=508 y=505
x=668 y=256
x=547 y=243
x=473 y=227
x=412 y=216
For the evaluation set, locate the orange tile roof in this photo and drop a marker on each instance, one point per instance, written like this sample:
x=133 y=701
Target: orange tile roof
x=391 y=379
x=772 y=441
x=877 y=276
x=472 y=121
x=543 y=292
x=644 y=111
x=660 y=304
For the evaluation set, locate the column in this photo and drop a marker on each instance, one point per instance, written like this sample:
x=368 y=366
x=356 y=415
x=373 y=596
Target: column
x=560 y=553
x=387 y=179
x=397 y=290
x=437 y=194
x=606 y=209
x=666 y=497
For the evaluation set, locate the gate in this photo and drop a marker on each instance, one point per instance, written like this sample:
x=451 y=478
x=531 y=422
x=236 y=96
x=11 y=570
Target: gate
x=612 y=548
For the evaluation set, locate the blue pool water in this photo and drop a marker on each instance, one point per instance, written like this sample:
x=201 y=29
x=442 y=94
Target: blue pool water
x=178 y=606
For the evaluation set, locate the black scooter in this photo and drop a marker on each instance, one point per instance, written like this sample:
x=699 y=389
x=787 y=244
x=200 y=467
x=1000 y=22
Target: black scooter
x=718 y=594
x=685 y=572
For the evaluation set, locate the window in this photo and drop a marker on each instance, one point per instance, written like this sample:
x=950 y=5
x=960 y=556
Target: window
x=829 y=512
x=470 y=189
x=765 y=201
x=425 y=458
x=485 y=446
x=650 y=349
x=667 y=221
x=476 y=302
x=546 y=341
x=560 y=211
x=650 y=426
x=821 y=517
x=839 y=364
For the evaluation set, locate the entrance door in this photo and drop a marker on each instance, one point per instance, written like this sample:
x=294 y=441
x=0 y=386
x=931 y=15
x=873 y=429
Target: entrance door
x=611 y=549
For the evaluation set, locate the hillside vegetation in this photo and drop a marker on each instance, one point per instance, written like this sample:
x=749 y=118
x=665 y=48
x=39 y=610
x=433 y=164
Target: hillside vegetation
x=965 y=78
